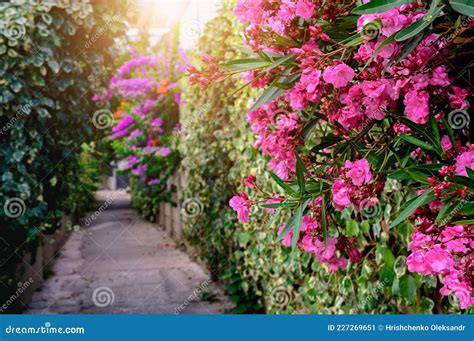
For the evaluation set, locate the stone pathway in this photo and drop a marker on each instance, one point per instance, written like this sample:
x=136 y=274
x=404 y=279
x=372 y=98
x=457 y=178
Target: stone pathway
x=123 y=264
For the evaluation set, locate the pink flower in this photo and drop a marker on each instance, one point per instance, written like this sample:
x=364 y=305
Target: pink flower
x=440 y=76
x=446 y=143
x=241 y=204
x=164 y=151
x=250 y=181
x=416 y=262
x=340 y=195
x=417 y=106
x=358 y=171
x=464 y=160
x=338 y=76
x=305 y=9
x=437 y=259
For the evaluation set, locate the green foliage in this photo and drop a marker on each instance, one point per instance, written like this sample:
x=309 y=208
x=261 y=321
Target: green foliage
x=51 y=57
x=262 y=276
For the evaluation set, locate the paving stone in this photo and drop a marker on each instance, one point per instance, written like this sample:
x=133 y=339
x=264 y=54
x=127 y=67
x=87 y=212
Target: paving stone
x=125 y=265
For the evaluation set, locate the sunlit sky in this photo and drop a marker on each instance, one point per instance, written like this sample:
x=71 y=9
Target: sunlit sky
x=158 y=16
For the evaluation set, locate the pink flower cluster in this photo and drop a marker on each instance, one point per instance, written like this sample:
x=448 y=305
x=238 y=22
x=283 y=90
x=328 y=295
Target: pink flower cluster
x=311 y=240
x=352 y=188
x=277 y=129
x=446 y=252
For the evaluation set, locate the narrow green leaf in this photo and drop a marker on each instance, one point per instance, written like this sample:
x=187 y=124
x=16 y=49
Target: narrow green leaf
x=436 y=132
x=465 y=181
x=268 y=95
x=417 y=142
x=470 y=173
x=379 y=6
x=323 y=220
x=286 y=229
x=282 y=183
x=300 y=171
x=280 y=61
x=463 y=222
x=419 y=25
x=279 y=205
x=417 y=202
x=298 y=219
x=465 y=7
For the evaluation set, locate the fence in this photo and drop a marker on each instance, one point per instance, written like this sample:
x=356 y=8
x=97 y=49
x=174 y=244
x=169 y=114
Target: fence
x=169 y=216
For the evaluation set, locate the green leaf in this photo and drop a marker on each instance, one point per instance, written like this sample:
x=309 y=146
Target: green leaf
x=435 y=128
x=385 y=256
x=465 y=181
x=386 y=276
x=352 y=228
x=408 y=288
x=465 y=7
x=280 y=61
x=300 y=171
x=448 y=129
x=279 y=205
x=417 y=202
x=323 y=220
x=470 y=173
x=419 y=25
x=244 y=64
x=445 y=211
x=467 y=208
x=298 y=219
x=282 y=183
x=415 y=127
x=463 y=222
x=417 y=142
x=399 y=266
x=268 y=95
x=286 y=229
x=379 y=6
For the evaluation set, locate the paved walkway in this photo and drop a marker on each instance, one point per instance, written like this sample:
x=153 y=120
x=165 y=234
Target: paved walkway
x=123 y=264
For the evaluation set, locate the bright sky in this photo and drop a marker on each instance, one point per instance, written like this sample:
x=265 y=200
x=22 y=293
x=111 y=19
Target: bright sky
x=160 y=15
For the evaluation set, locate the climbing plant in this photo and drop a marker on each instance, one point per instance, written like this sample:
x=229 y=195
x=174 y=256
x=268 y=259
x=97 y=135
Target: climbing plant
x=358 y=101
x=52 y=55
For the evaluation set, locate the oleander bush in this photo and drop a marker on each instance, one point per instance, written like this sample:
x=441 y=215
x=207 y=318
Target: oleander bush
x=363 y=122
x=52 y=55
